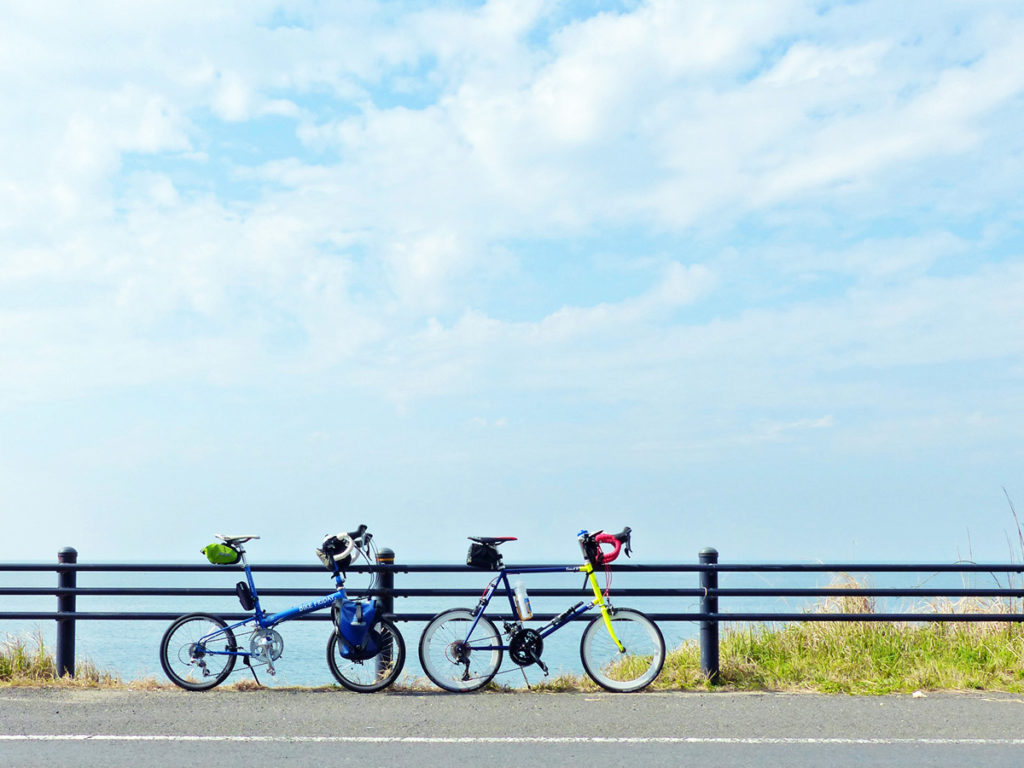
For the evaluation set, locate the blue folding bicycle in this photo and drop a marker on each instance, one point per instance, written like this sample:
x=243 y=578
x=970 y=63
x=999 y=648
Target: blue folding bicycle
x=365 y=651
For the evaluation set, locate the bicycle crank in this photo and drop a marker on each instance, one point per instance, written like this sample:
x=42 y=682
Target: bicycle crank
x=266 y=645
x=525 y=648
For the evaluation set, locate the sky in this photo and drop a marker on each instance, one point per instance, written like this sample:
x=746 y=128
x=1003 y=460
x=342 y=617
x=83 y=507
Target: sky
x=736 y=274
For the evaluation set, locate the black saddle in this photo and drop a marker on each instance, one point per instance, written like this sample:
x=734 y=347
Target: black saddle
x=492 y=540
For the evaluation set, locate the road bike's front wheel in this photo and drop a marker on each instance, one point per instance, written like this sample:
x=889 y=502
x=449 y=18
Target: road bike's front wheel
x=623 y=671
x=198 y=651
x=455 y=660
x=374 y=673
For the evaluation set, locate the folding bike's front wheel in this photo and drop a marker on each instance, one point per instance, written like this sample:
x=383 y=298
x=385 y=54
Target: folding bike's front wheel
x=375 y=673
x=454 y=661
x=614 y=670
x=193 y=665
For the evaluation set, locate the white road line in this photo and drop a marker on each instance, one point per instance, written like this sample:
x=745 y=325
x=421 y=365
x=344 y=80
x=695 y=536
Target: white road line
x=515 y=740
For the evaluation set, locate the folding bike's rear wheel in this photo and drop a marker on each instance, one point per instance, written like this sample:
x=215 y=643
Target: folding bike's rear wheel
x=190 y=663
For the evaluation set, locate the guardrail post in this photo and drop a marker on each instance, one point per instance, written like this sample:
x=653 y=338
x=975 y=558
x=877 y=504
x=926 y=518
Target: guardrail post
x=709 y=627
x=386 y=580
x=67 y=578
x=386 y=556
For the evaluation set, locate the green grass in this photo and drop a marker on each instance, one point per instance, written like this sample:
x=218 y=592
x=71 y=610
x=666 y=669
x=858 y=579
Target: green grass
x=863 y=657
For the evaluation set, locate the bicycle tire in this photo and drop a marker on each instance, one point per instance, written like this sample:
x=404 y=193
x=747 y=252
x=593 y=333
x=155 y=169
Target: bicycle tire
x=449 y=661
x=181 y=662
x=367 y=675
x=614 y=670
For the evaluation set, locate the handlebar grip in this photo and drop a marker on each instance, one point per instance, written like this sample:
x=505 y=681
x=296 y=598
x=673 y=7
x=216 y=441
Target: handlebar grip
x=624 y=537
x=613 y=541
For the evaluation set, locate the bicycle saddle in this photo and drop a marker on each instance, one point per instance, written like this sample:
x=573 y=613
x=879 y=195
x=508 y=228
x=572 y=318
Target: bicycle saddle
x=492 y=540
x=235 y=539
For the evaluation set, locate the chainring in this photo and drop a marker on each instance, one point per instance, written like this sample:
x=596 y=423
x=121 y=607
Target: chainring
x=522 y=643
x=266 y=644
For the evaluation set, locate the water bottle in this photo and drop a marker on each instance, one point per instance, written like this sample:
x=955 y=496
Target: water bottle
x=523 y=602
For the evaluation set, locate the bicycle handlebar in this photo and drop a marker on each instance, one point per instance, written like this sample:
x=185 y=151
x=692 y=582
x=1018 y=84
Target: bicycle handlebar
x=340 y=546
x=617 y=541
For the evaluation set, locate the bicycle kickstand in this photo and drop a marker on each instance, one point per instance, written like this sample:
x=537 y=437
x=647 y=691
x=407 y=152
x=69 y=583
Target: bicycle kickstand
x=252 y=669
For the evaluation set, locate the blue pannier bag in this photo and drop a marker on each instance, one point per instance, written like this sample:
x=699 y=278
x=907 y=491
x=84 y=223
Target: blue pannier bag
x=354 y=621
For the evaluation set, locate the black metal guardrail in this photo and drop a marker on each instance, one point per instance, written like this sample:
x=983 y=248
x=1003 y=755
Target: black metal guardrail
x=706 y=591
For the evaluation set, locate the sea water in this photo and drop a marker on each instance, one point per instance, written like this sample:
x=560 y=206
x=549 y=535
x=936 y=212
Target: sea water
x=130 y=649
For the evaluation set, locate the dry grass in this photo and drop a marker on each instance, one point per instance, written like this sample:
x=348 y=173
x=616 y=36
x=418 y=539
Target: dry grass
x=28 y=662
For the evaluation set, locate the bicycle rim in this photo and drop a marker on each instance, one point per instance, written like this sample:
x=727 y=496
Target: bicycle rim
x=614 y=670
x=452 y=663
x=373 y=674
x=190 y=665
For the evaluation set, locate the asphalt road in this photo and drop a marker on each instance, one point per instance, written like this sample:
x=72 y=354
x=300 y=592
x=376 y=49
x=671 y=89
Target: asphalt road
x=110 y=728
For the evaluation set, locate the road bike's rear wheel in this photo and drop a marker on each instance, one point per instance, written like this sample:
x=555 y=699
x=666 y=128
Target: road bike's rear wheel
x=375 y=673
x=614 y=670
x=195 y=665
x=454 y=661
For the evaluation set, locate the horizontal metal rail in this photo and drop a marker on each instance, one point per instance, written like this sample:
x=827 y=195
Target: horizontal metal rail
x=963 y=567
x=763 y=617
x=540 y=592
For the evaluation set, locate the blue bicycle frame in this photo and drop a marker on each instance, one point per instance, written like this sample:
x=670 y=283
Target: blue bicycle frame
x=622 y=650
x=554 y=624
x=264 y=620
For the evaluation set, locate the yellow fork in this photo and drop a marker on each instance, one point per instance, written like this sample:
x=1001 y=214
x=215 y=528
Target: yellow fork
x=599 y=601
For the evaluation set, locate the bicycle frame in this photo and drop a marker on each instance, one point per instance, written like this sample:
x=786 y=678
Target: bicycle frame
x=264 y=620
x=559 y=621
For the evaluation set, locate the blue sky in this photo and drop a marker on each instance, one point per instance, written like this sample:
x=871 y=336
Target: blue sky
x=736 y=274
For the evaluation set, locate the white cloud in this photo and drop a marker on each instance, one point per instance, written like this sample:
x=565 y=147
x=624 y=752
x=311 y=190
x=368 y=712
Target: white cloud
x=806 y=61
x=550 y=250
x=232 y=100
x=679 y=287
x=674 y=119
x=779 y=431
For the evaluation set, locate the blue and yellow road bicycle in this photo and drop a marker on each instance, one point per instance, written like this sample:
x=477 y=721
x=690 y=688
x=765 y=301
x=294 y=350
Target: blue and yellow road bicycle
x=365 y=651
x=622 y=650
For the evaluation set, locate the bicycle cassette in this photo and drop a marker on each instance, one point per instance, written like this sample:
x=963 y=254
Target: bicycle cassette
x=525 y=647
x=266 y=644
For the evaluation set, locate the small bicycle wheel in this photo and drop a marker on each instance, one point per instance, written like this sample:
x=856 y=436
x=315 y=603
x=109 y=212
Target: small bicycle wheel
x=375 y=673
x=198 y=651
x=619 y=671
x=454 y=661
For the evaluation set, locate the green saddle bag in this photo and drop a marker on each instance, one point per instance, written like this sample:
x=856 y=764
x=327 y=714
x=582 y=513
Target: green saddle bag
x=221 y=554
